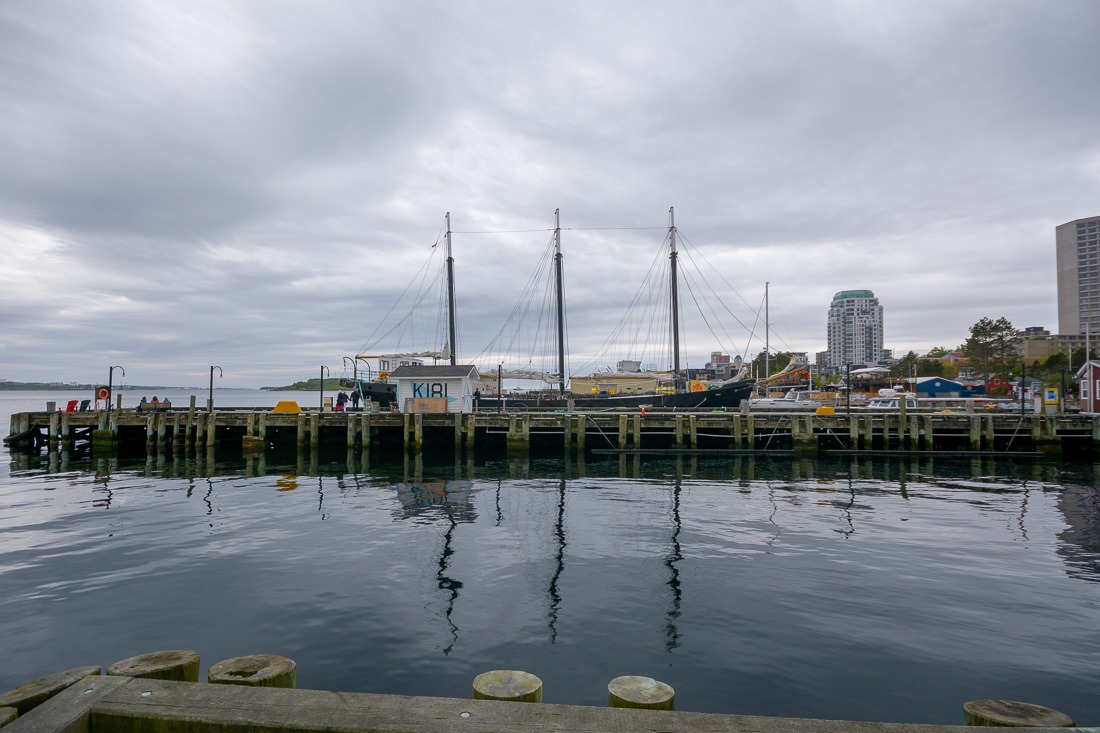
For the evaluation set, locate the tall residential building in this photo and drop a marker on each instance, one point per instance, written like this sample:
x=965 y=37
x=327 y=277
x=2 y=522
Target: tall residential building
x=1078 y=255
x=855 y=329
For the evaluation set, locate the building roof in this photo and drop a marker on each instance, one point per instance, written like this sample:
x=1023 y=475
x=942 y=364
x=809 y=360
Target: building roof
x=446 y=371
x=845 y=294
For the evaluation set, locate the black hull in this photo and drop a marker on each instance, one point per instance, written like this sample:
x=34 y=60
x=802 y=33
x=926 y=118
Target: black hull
x=727 y=397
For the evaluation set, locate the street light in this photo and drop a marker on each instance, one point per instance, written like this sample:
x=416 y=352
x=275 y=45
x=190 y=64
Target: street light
x=110 y=383
x=323 y=370
x=210 y=399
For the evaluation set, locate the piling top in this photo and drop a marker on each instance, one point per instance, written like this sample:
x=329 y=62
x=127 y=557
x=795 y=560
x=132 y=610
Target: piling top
x=254 y=670
x=173 y=664
x=1013 y=714
x=633 y=691
x=508 y=684
x=37 y=691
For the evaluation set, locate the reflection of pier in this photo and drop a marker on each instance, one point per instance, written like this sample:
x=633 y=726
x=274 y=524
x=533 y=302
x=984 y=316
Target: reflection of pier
x=572 y=432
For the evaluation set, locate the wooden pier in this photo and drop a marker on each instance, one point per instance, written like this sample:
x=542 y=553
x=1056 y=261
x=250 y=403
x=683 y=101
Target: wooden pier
x=634 y=431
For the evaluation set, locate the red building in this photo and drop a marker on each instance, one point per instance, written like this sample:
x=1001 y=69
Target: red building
x=1088 y=376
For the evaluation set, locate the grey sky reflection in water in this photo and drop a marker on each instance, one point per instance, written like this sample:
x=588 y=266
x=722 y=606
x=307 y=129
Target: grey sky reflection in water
x=790 y=583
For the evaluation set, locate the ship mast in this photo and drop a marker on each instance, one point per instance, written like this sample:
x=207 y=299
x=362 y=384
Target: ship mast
x=561 y=301
x=675 y=299
x=450 y=293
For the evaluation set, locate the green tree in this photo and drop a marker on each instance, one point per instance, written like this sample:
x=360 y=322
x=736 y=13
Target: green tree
x=992 y=347
x=776 y=363
x=905 y=366
x=936 y=352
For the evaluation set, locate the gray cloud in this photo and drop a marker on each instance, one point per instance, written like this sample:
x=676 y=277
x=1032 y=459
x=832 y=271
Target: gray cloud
x=253 y=185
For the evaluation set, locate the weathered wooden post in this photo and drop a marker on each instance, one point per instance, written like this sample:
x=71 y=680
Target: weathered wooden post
x=636 y=432
x=211 y=430
x=255 y=670
x=803 y=439
x=353 y=424
x=582 y=432
x=975 y=432
x=301 y=430
x=179 y=665
x=53 y=430
x=508 y=684
x=735 y=431
x=25 y=698
x=678 y=432
x=693 y=431
x=645 y=693
x=314 y=431
x=519 y=434
x=1009 y=713
x=190 y=438
x=365 y=437
x=623 y=432
x=251 y=444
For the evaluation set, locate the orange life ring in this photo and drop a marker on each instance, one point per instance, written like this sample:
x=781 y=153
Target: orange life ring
x=102 y=393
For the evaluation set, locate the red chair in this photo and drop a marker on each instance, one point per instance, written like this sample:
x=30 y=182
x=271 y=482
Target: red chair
x=71 y=407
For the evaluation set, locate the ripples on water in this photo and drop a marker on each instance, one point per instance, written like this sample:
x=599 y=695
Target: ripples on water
x=850 y=589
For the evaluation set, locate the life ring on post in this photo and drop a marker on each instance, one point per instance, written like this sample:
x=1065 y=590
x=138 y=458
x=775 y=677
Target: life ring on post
x=102 y=393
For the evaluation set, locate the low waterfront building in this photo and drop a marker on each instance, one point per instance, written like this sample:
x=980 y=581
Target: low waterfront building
x=435 y=389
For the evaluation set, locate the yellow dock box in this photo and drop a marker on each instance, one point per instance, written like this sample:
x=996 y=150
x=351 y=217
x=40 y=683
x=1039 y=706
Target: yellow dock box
x=287 y=406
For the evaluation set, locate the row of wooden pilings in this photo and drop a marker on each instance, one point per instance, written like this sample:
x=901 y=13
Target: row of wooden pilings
x=274 y=671
x=575 y=431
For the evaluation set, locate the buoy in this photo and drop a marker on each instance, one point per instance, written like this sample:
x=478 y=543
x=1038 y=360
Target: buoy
x=102 y=393
x=36 y=692
x=508 y=684
x=178 y=665
x=1013 y=714
x=631 y=691
x=254 y=670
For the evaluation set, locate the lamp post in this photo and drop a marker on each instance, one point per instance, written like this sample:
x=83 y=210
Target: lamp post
x=210 y=399
x=110 y=383
x=354 y=367
x=324 y=369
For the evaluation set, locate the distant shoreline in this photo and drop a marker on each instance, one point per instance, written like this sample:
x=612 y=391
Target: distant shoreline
x=45 y=386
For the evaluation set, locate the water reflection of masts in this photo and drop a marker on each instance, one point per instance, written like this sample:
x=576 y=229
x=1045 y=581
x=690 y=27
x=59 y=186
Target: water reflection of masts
x=445 y=582
x=672 y=560
x=848 y=509
x=554 y=593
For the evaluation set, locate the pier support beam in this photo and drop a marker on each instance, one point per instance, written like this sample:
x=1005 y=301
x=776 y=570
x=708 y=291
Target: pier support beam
x=519 y=434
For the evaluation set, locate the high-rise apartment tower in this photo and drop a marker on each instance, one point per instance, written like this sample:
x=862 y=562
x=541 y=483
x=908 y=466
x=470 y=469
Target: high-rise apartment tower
x=855 y=329
x=1078 y=255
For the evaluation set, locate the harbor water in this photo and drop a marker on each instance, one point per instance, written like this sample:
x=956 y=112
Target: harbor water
x=849 y=588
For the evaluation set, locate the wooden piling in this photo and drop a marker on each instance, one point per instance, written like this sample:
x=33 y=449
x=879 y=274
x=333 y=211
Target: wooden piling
x=508 y=684
x=254 y=670
x=314 y=431
x=1009 y=713
x=646 y=693
x=181 y=665
x=622 y=432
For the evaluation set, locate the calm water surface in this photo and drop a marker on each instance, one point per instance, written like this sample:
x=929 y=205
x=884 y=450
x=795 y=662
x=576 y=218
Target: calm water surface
x=854 y=589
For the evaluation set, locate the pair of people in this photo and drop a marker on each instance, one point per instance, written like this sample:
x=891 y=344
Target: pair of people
x=342 y=399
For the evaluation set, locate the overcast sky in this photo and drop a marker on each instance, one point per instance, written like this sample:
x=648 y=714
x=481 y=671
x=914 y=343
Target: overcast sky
x=252 y=184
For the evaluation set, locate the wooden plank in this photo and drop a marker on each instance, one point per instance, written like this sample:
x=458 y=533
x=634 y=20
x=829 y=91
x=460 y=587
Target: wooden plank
x=145 y=706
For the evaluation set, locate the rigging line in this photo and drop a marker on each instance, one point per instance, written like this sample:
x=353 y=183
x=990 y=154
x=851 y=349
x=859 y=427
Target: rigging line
x=406 y=321
x=692 y=251
x=418 y=276
x=521 y=306
x=564 y=229
x=695 y=299
x=624 y=320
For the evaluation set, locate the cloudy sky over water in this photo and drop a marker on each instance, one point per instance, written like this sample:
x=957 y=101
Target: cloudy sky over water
x=254 y=184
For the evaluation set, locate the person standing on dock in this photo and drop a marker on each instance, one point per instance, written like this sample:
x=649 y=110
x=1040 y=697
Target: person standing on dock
x=341 y=400
x=355 y=399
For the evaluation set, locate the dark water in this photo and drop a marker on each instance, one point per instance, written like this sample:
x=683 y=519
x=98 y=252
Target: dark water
x=852 y=589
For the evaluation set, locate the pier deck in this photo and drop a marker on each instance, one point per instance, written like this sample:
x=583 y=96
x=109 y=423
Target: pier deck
x=627 y=431
x=98 y=704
